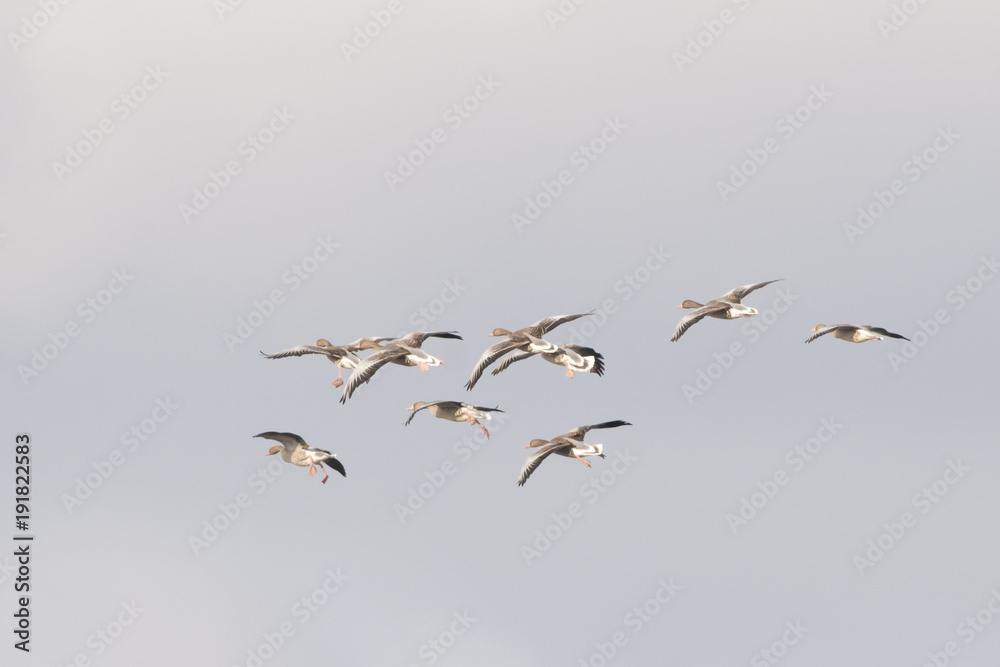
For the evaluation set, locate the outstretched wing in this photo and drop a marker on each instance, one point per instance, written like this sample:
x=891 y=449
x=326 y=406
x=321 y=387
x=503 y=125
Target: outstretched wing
x=377 y=340
x=417 y=338
x=547 y=324
x=301 y=350
x=536 y=458
x=489 y=356
x=510 y=360
x=734 y=295
x=822 y=332
x=289 y=440
x=694 y=317
x=580 y=431
x=427 y=405
x=882 y=332
x=367 y=368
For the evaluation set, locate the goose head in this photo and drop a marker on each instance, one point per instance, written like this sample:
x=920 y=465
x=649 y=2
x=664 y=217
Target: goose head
x=537 y=442
x=417 y=405
x=277 y=449
x=499 y=332
x=688 y=303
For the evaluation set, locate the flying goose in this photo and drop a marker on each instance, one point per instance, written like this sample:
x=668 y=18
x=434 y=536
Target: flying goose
x=406 y=352
x=727 y=307
x=294 y=450
x=528 y=339
x=567 y=444
x=454 y=411
x=342 y=355
x=576 y=359
x=852 y=333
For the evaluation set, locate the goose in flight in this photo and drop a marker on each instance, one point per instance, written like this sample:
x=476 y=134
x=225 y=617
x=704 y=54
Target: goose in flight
x=454 y=411
x=729 y=306
x=294 y=450
x=567 y=444
x=342 y=355
x=406 y=352
x=576 y=359
x=852 y=333
x=528 y=339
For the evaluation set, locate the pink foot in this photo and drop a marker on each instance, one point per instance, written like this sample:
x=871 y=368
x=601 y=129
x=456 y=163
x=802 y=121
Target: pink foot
x=338 y=382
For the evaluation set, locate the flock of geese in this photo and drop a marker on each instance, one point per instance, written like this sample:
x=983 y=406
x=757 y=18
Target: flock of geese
x=519 y=345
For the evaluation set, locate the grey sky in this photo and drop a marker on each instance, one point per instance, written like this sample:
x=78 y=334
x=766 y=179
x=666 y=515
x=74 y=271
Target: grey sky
x=289 y=141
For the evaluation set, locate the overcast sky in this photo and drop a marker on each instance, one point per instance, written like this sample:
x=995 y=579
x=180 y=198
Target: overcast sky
x=187 y=184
